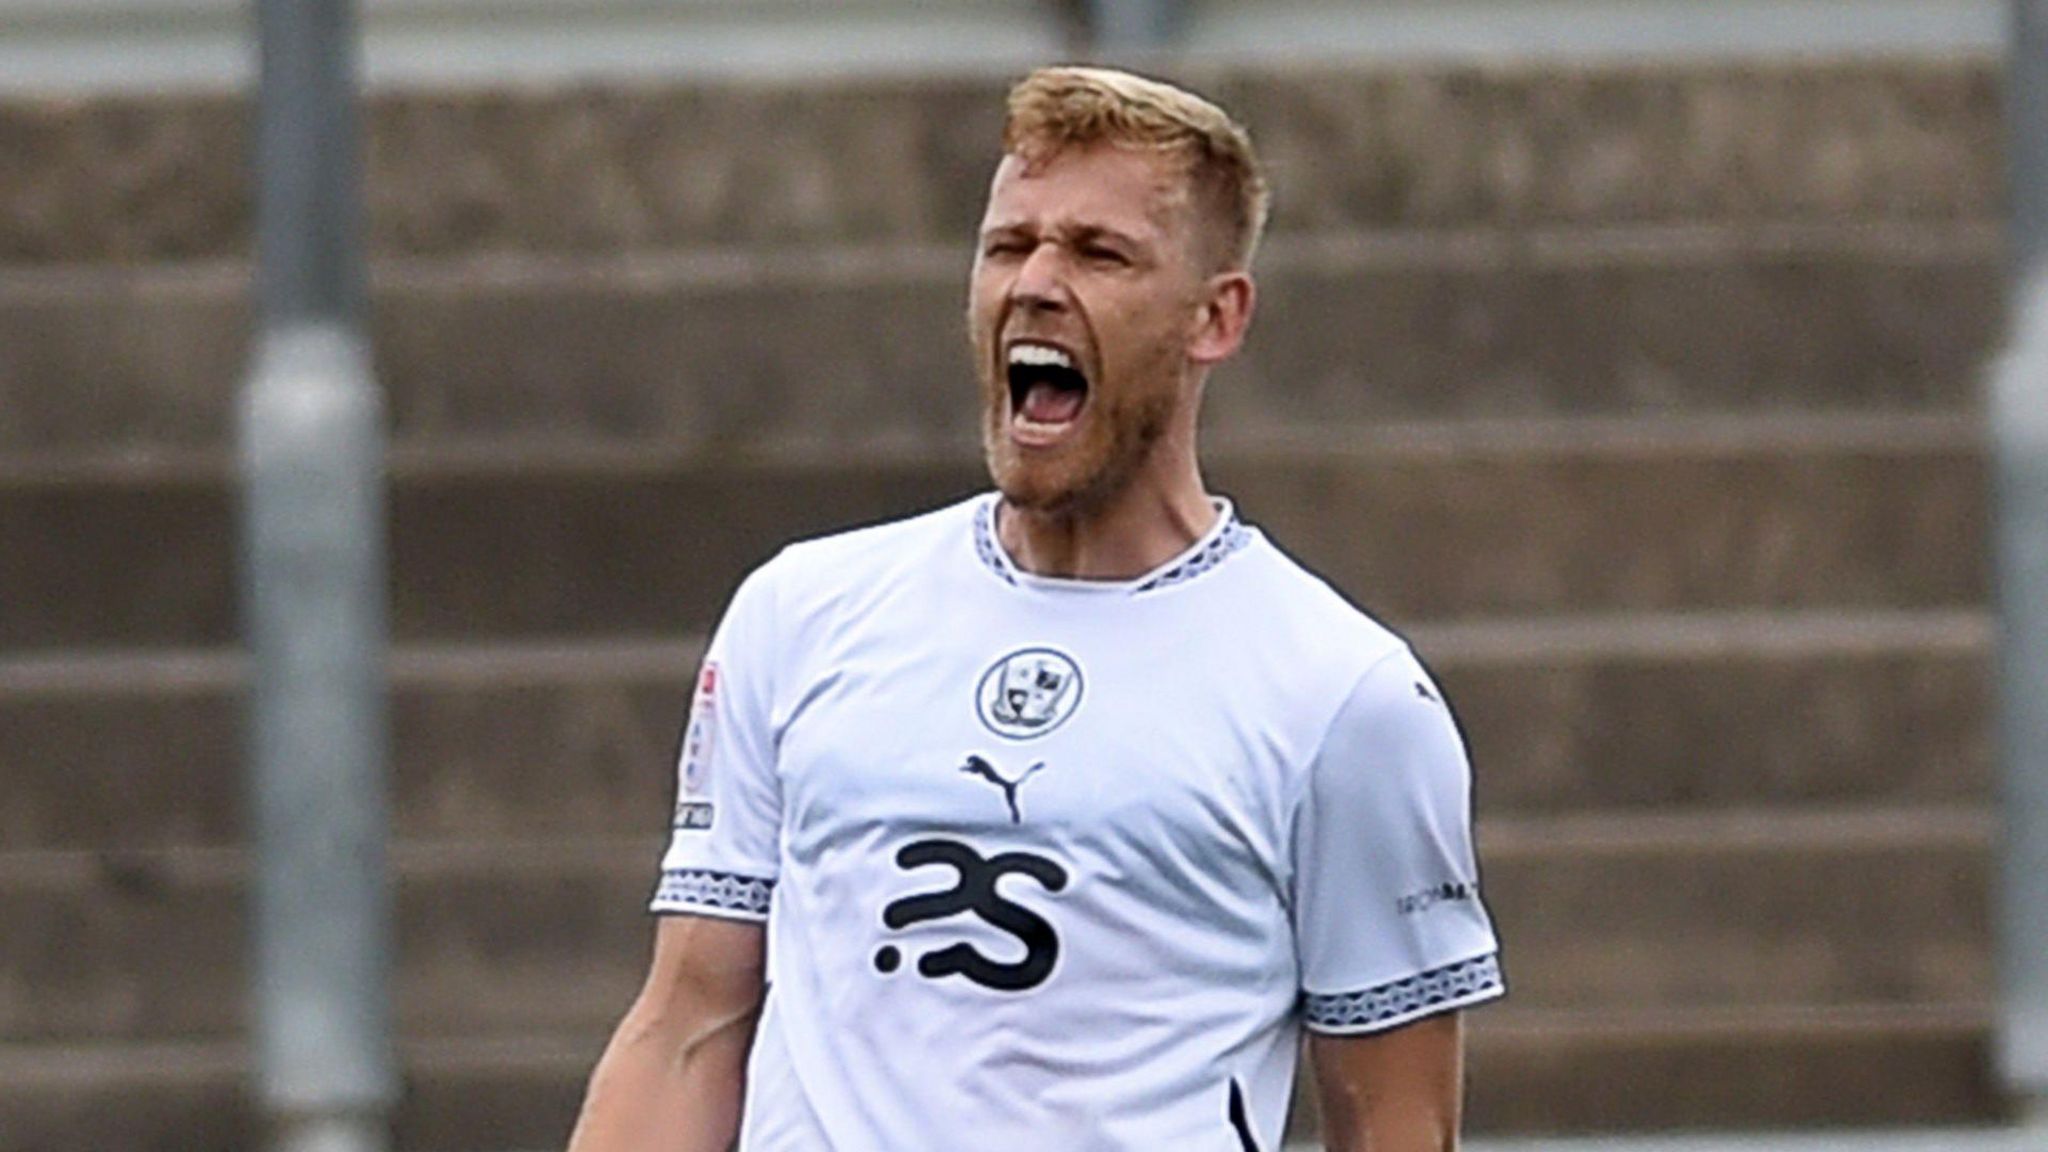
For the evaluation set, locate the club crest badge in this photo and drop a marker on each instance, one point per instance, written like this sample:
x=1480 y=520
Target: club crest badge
x=1028 y=693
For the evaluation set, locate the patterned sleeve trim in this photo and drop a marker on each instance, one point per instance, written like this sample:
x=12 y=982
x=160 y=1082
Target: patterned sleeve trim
x=1376 y=1009
x=703 y=890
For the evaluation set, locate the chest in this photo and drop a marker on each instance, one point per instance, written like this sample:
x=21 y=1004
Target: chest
x=1111 y=743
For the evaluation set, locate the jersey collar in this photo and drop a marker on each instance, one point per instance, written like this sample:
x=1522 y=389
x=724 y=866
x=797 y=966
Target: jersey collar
x=1224 y=539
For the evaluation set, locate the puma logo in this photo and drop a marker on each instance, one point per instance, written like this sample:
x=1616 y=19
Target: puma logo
x=976 y=766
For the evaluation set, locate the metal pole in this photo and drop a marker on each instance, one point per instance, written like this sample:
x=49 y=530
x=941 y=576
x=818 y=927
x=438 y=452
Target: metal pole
x=311 y=443
x=1134 y=25
x=2027 y=131
x=2019 y=415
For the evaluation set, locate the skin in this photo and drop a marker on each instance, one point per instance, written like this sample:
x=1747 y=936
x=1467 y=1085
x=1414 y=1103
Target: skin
x=674 y=1073
x=1095 y=250
x=1394 y=1091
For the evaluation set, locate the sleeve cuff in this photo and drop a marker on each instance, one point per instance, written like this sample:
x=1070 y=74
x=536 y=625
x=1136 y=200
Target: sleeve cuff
x=706 y=892
x=1390 y=1005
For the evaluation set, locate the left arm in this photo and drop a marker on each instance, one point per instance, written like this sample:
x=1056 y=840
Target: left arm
x=1394 y=938
x=1395 y=1091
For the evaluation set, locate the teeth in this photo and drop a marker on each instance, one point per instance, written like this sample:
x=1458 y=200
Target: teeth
x=1039 y=355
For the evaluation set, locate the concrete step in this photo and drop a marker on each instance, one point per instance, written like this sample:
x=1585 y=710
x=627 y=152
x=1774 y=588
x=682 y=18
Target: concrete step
x=458 y=1095
x=725 y=350
x=1773 y=1068
x=1529 y=1072
x=1523 y=31
x=70 y=46
x=648 y=166
x=1658 y=516
x=1654 y=714
x=1750 y=910
x=64 y=46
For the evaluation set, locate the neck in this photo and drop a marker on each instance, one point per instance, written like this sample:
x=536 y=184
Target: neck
x=1141 y=529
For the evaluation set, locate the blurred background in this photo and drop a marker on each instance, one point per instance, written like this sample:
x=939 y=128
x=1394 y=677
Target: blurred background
x=1628 y=355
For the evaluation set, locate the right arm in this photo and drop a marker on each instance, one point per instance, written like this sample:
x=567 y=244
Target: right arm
x=672 y=1076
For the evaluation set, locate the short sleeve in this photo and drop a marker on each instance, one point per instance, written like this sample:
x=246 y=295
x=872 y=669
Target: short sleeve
x=722 y=857
x=1389 y=922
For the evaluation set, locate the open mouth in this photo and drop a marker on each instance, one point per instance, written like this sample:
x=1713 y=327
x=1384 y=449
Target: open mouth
x=1046 y=389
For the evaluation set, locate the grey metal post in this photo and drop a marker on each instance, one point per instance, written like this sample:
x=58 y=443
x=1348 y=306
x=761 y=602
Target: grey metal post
x=311 y=443
x=2027 y=131
x=1134 y=25
x=2019 y=414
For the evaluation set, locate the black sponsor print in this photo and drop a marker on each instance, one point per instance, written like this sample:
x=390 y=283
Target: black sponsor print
x=974 y=891
x=1448 y=892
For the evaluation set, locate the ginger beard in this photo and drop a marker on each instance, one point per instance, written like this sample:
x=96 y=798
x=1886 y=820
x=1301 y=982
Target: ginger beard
x=1082 y=357
x=1121 y=420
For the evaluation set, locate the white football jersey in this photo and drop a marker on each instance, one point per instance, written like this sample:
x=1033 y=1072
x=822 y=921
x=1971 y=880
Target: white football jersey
x=1065 y=866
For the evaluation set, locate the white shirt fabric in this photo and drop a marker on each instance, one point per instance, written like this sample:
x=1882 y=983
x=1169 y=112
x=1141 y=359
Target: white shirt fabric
x=1066 y=865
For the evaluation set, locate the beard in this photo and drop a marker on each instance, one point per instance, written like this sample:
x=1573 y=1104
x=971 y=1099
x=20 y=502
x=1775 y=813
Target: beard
x=1083 y=474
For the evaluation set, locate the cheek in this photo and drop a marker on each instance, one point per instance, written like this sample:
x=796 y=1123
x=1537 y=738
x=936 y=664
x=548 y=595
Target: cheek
x=986 y=288
x=1144 y=338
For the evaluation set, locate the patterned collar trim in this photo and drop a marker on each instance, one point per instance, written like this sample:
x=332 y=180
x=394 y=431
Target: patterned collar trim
x=1225 y=539
x=985 y=546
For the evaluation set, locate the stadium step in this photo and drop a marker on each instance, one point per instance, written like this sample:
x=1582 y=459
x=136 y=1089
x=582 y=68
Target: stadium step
x=1886 y=513
x=868 y=345
x=1560 y=30
x=1529 y=1072
x=1741 y=909
x=458 y=1095
x=1619 y=1069
x=1647 y=714
x=648 y=167
x=99 y=46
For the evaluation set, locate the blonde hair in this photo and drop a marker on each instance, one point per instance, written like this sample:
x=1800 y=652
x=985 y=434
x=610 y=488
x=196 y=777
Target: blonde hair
x=1056 y=108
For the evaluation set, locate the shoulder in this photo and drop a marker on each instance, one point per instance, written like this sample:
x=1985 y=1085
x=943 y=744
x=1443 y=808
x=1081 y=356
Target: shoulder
x=1309 y=622
x=1294 y=650
x=843 y=573
x=832 y=560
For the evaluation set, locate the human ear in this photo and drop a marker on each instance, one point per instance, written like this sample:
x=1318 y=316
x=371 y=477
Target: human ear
x=1223 y=317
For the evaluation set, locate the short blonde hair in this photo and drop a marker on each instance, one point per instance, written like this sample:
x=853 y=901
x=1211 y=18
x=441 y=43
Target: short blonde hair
x=1056 y=108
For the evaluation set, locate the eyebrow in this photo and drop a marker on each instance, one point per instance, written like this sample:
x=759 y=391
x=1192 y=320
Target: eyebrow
x=1092 y=232
x=1074 y=234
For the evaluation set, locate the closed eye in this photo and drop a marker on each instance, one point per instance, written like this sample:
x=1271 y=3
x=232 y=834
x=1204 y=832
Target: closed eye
x=1005 y=245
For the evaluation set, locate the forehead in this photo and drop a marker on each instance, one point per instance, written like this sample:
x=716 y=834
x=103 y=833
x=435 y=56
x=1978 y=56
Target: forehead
x=1093 y=186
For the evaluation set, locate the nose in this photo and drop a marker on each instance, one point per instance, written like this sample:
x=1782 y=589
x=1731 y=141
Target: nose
x=1041 y=284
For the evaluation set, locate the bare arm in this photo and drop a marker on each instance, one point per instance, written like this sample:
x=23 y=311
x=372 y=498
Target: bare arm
x=672 y=1076
x=1394 y=1091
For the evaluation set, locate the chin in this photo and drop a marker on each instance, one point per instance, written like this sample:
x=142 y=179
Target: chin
x=1034 y=486
x=1051 y=490
x=1029 y=489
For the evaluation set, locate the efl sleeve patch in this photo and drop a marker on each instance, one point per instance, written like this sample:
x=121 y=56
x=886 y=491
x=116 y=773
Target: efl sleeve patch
x=694 y=807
